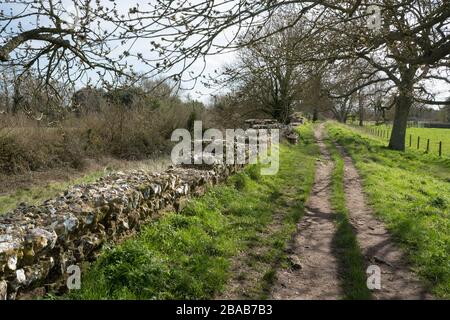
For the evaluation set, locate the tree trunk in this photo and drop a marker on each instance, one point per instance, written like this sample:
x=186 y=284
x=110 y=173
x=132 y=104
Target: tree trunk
x=342 y=116
x=361 y=112
x=315 y=116
x=398 y=135
x=447 y=110
x=17 y=99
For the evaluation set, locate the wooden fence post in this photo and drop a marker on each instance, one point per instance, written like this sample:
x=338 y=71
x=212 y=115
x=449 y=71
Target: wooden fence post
x=428 y=146
x=410 y=140
x=440 y=148
x=418 y=142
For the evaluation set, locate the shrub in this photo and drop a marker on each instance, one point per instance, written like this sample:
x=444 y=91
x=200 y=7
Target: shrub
x=122 y=128
x=14 y=158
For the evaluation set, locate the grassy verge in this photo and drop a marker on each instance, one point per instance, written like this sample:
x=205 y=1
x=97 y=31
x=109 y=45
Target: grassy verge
x=411 y=193
x=351 y=260
x=188 y=255
x=290 y=190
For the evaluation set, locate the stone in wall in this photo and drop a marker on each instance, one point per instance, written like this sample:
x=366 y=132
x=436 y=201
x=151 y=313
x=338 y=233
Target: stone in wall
x=286 y=131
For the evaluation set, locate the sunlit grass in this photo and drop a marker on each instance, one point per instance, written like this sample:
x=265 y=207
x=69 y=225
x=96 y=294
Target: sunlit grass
x=188 y=255
x=411 y=193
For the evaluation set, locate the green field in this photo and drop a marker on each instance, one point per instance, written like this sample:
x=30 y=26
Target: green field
x=434 y=135
x=410 y=192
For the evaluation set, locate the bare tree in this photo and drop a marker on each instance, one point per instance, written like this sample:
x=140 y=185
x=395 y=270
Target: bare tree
x=412 y=46
x=266 y=75
x=5 y=91
x=90 y=37
x=65 y=39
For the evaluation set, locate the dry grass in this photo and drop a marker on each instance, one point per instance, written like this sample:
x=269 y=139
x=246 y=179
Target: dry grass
x=141 y=133
x=35 y=187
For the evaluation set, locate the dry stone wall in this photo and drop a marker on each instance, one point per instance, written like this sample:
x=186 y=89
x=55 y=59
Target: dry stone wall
x=287 y=131
x=38 y=243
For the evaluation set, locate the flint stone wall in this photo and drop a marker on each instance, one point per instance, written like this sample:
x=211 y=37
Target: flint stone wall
x=287 y=131
x=38 y=243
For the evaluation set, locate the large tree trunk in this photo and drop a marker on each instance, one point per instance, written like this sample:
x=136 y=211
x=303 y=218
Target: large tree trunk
x=398 y=135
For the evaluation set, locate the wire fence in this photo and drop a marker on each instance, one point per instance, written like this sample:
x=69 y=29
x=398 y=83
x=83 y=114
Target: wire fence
x=429 y=146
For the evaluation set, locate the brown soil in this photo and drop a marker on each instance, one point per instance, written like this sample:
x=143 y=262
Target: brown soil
x=315 y=275
x=397 y=280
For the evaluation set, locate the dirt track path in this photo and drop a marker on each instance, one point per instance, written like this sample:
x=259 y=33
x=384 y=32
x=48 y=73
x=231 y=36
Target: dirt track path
x=316 y=273
x=397 y=280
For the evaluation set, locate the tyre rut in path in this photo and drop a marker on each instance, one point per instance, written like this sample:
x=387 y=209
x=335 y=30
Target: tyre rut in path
x=397 y=280
x=315 y=275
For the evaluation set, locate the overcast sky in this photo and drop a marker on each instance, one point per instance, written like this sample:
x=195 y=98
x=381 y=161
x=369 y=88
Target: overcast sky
x=214 y=62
